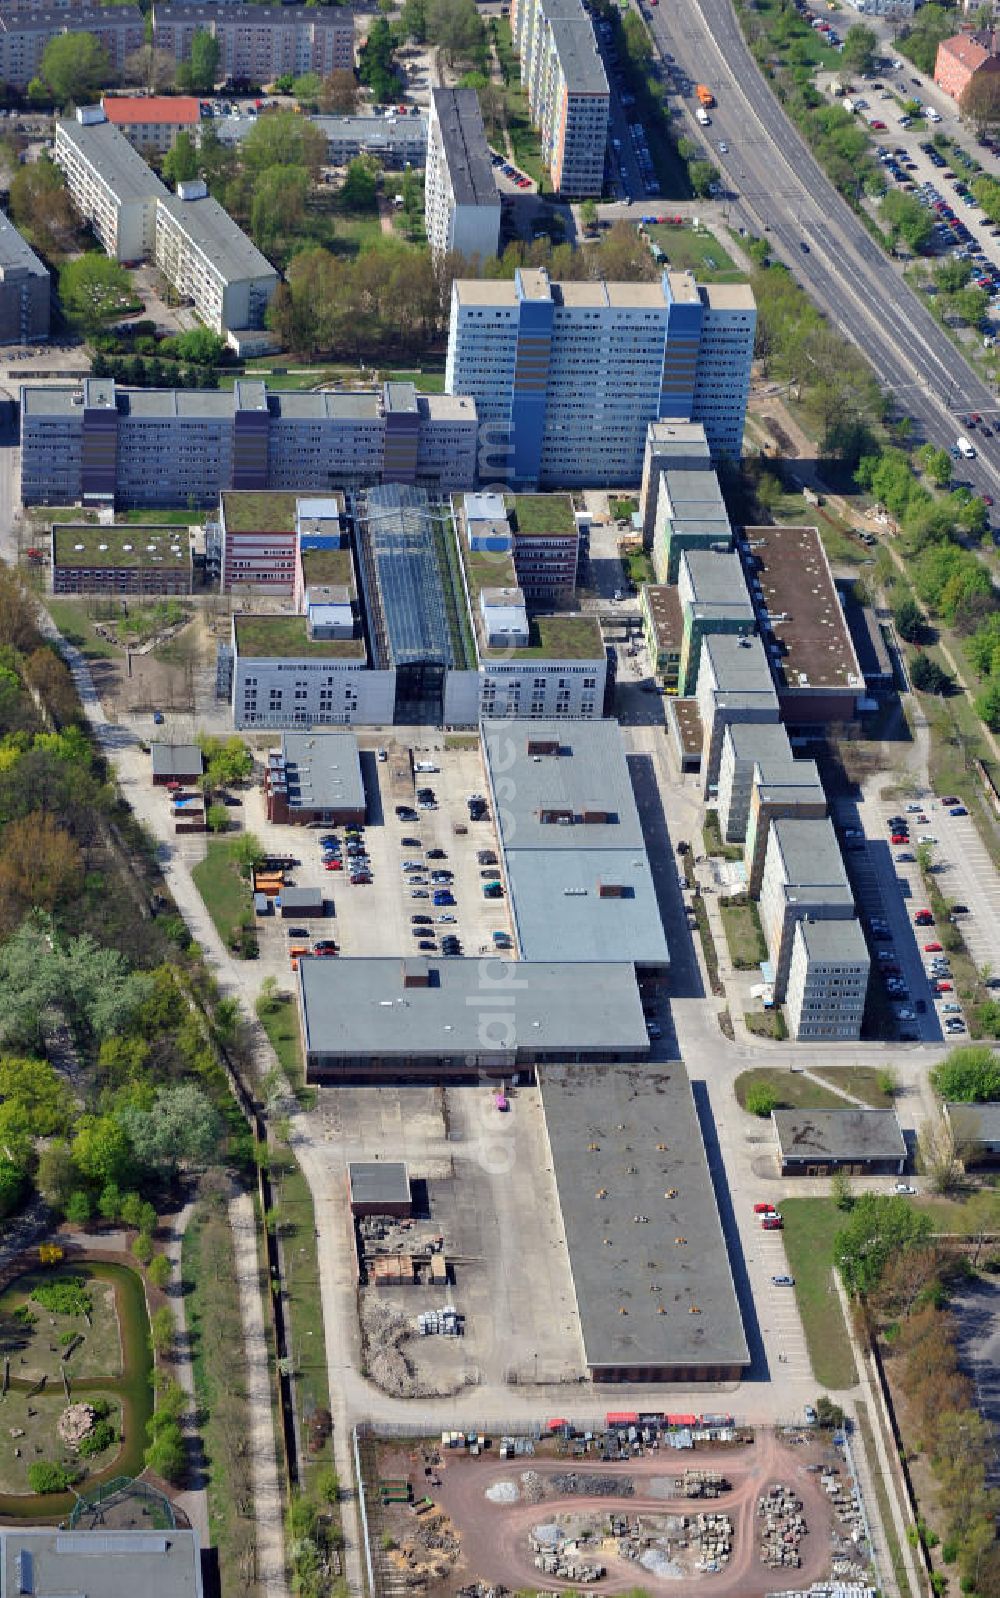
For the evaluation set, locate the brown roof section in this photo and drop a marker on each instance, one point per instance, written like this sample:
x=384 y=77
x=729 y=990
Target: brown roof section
x=689 y=726
x=665 y=614
x=124 y=110
x=804 y=616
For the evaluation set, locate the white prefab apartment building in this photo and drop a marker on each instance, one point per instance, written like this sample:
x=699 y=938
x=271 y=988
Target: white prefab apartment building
x=194 y=242
x=211 y=261
x=567 y=90
x=804 y=877
x=827 y=981
x=27 y=26
x=110 y=184
x=461 y=203
x=567 y=377
x=260 y=43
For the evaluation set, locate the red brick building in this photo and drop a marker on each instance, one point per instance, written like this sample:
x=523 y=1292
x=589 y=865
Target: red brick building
x=964 y=57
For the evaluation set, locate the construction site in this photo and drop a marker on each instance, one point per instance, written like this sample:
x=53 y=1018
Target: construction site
x=757 y=1514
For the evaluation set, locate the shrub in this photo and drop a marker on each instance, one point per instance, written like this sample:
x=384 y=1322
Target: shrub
x=159 y=1271
x=165 y=1454
x=44 y=1477
x=761 y=1100
x=101 y=1437
x=67 y=1295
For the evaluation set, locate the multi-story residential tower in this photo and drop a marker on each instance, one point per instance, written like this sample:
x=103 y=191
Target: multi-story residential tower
x=567 y=90
x=461 y=203
x=24 y=289
x=804 y=877
x=260 y=43
x=27 y=26
x=567 y=377
x=109 y=183
x=827 y=981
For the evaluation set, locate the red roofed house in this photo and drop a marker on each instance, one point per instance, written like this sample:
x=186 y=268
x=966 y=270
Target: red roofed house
x=152 y=122
x=962 y=58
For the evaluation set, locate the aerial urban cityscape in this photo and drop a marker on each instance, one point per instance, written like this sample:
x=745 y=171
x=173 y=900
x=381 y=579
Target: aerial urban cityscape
x=499 y=798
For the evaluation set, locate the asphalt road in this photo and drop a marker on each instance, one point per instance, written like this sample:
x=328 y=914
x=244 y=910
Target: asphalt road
x=781 y=189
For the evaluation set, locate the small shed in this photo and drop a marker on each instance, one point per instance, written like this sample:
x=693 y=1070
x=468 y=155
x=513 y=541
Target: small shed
x=380 y=1187
x=976 y=1130
x=819 y=1142
x=176 y=763
x=302 y=903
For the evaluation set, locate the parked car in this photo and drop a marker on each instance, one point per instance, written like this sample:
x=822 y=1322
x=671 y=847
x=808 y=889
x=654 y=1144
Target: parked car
x=782 y=1281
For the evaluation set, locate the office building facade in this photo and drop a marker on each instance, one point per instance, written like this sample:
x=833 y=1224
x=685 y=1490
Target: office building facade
x=827 y=981
x=25 y=298
x=259 y=43
x=567 y=377
x=97 y=444
x=461 y=202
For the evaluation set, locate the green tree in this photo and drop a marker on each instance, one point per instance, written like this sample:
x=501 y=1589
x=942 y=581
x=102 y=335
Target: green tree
x=979 y=101
x=968 y=1075
x=182 y=1127
x=165 y=1454
x=307 y=90
x=761 y=1100
x=76 y=67
x=376 y=58
x=283 y=139
x=588 y=214
x=988 y=706
x=936 y=463
x=197 y=74
x=248 y=852
x=413 y=20
x=339 y=93
x=180 y=164
x=952 y=274
x=109 y=1204
x=37 y=1093
x=841 y=1191
x=969 y=305
x=905 y=218
x=702 y=175
x=159 y=1271
x=217 y=818
x=928 y=677
x=161 y=1331
x=359 y=188
x=78 y=1207
x=860 y=46
x=909 y=620
x=879 y=1228
x=13 y=1185
x=40 y=206
x=44 y=1477
x=94 y=289
x=456 y=27
x=55 y=1175
x=279 y=204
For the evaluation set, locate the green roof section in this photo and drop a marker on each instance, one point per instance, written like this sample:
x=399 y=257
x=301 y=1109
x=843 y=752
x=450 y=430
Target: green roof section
x=332 y=568
x=555 y=637
x=541 y=515
x=259 y=511
x=287 y=638
x=84 y=544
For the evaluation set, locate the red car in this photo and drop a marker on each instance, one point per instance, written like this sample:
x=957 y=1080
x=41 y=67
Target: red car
x=923 y=918
x=771 y=1223
x=943 y=987
x=951 y=799
x=764 y=1209
x=900 y=837
x=332 y=865
x=987 y=499
x=879 y=127
x=932 y=948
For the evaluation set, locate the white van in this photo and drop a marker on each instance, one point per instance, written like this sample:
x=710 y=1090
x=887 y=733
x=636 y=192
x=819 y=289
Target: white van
x=965 y=448
x=932 y=115
x=425 y=765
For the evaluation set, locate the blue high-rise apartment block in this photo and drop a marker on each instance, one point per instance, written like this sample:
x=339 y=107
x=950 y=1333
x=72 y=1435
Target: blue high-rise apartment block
x=568 y=376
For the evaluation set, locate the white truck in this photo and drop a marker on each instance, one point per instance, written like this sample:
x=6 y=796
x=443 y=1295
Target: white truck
x=702 y=117
x=964 y=447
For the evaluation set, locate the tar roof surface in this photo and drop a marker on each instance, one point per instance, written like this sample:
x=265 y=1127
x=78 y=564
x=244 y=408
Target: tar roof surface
x=790 y=565
x=665 y=614
x=287 y=638
x=16 y=251
x=555 y=903
x=810 y=853
x=738 y=666
x=589 y=773
x=463 y=139
x=625 y=1142
x=220 y=240
x=107 y=1564
x=323 y=770
x=834 y=940
x=379 y=1182
x=717 y=582
x=764 y=743
x=360 y=1006
x=840 y=1134
x=687 y=718
x=974 y=1123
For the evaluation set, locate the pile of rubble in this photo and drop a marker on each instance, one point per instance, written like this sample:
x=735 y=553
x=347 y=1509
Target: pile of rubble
x=589 y=1486
x=384 y=1334
x=701 y=1484
x=568 y=1567
x=784 y=1527
x=714 y=1541
x=844 y=1500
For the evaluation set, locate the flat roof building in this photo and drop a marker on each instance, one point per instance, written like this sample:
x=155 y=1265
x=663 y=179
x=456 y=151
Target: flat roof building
x=574 y=858
x=657 y=1301
x=744 y=747
x=570 y=375
x=827 y=981
x=407 y=1020
x=734 y=687
x=780 y=786
x=176 y=763
x=713 y=599
x=25 y=297
x=681 y=504
x=818 y=1142
x=663 y=629
x=96 y=443
x=211 y=261
x=28 y=26
x=102 y=1564
x=259 y=44
x=976 y=1131
x=803 y=876
x=379 y=1187
x=125 y=558
x=109 y=183
x=152 y=121
x=802 y=624
x=315 y=776
x=686 y=733
x=461 y=202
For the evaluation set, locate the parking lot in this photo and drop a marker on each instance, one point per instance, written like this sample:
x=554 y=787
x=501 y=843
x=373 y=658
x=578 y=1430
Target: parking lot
x=966 y=873
x=376 y=917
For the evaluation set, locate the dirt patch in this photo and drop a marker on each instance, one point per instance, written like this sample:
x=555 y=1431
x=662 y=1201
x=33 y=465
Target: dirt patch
x=386 y=1336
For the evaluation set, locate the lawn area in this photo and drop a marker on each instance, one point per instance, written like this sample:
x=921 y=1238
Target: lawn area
x=281 y=1023
x=811 y=1224
x=70 y=616
x=424 y=382
x=30 y=1422
x=638 y=568
x=792 y=1091
x=294 y=381
x=947 y=1215
x=700 y=253
x=226 y=894
x=744 y=936
x=297 y=1222
x=98 y=1351
x=524 y=140
x=712 y=837
x=861 y=1080
x=766 y=1024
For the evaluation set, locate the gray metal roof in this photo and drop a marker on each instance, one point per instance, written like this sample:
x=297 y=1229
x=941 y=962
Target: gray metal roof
x=693 y=491
x=810 y=855
x=301 y=898
x=361 y=1007
x=221 y=241
x=765 y=743
x=974 y=1123
x=589 y=773
x=735 y=666
x=556 y=903
x=43 y=18
x=105 y=1564
x=463 y=140
x=834 y=940
x=116 y=161
x=16 y=254
x=379 y=1182
x=323 y=771
x=626 y=1142
x=717 y=581
x=848 y=1134
x=578 y=55
x=176 y=760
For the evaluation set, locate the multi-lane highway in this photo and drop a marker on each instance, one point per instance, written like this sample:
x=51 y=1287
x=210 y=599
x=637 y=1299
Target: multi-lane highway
x=782 y=189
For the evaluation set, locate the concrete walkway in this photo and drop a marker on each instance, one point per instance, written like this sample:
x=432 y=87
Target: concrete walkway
x=266 y=1490
x=194 y=1502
